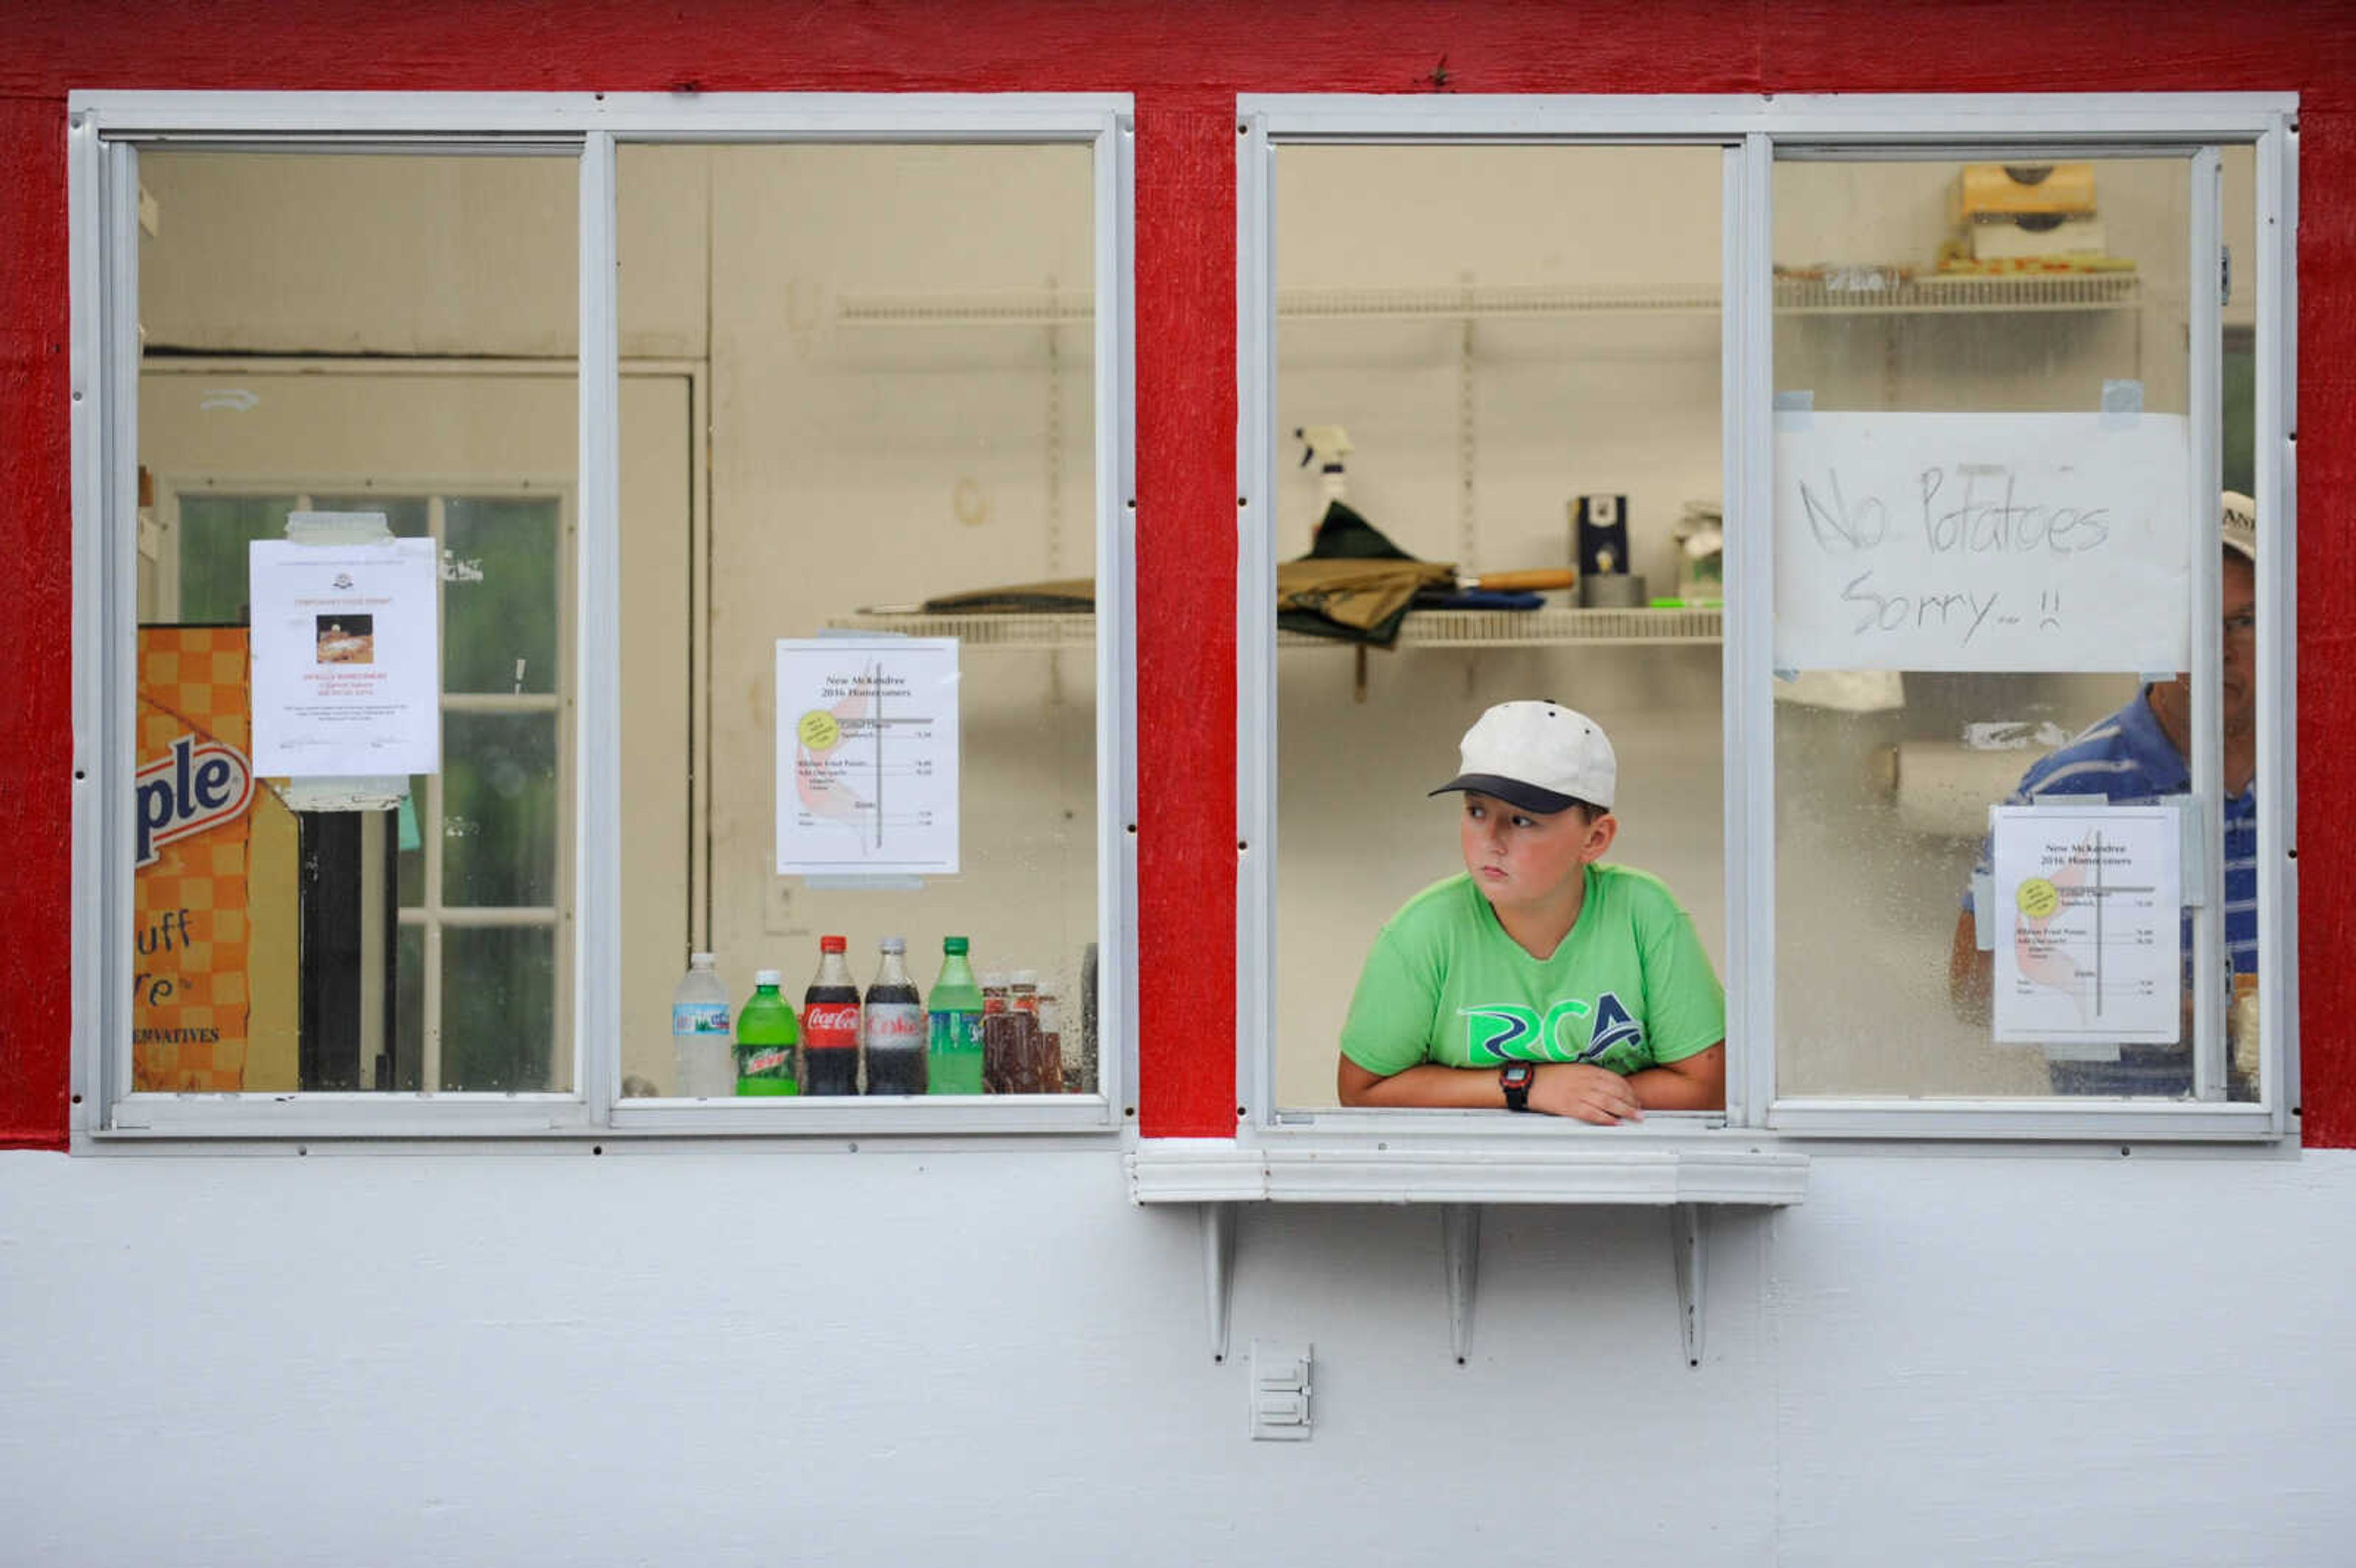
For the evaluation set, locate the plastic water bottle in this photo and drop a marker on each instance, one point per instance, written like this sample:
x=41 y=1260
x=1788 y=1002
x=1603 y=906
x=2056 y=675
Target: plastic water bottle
x=702 y=1049
x=953 y=1039
x=765 y=1036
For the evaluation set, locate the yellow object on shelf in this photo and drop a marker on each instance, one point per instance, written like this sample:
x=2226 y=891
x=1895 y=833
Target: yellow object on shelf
x=1955 y=263
x=1990 y=191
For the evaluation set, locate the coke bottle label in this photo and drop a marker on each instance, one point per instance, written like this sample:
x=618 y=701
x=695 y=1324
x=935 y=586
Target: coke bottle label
x=896 y=1026
x=830 y=1026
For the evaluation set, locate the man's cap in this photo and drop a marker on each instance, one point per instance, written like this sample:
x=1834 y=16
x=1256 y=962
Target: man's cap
x=1537 y=755
x=2240 y=526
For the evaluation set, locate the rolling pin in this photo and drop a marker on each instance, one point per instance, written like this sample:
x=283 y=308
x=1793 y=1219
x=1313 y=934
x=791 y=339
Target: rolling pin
x=1535 y=579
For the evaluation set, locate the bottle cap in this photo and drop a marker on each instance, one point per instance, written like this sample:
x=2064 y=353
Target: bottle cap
x=993 y=980
x=891 y=944
x=1026 y=977
x=701 y=960
x=833 y=945
x=767 y=977
x=954 y=944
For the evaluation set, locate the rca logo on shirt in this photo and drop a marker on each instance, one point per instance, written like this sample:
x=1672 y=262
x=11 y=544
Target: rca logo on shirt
x=1508 y=1031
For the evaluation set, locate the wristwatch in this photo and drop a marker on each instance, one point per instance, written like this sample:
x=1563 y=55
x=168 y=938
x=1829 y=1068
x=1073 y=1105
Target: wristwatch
x=1515 y=1078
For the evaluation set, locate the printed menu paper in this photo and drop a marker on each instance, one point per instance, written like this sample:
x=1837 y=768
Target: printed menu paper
x=347 y=659
x=867 y=757
x=2088 y=924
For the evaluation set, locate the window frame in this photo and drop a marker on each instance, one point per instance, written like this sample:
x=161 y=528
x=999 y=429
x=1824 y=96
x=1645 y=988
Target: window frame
x=1753 y=131
x=105 y=132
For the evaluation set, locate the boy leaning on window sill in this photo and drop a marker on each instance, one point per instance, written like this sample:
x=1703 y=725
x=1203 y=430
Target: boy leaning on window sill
x=1541 y=979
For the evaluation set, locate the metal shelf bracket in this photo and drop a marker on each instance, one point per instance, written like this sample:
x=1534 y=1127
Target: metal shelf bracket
x=1218 y=1221
x=1460 y=1241
x=1689 y=1248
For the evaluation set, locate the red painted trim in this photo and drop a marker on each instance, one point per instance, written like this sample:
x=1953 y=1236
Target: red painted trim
x=2327 y=640
x=1186 y=597
x=36 y=628
x=1183 y=63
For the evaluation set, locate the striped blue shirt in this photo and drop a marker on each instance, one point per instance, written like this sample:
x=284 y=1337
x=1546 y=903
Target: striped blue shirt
x=2127 y=760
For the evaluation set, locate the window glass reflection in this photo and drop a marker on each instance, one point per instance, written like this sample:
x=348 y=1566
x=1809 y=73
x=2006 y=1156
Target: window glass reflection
x=1525 y=378
x=309 y=323
x=902 y=442
x=1910 y=288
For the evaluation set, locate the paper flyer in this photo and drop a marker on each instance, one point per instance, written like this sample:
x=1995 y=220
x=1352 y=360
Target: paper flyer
x=2088 y=924
x=867 y=757
x=347 y=659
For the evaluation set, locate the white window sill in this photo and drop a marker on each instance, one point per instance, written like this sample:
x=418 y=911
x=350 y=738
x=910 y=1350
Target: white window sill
x=1652 y=1172
x=558 y=1119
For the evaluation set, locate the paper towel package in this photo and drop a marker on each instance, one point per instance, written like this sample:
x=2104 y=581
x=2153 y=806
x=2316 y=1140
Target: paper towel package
x=1944 y=790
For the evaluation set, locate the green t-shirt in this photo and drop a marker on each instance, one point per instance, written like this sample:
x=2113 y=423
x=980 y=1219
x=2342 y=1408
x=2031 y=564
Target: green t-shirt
x=1629 y=988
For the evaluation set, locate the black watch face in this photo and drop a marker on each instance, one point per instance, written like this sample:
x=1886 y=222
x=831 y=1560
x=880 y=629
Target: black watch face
x=1519 y=1075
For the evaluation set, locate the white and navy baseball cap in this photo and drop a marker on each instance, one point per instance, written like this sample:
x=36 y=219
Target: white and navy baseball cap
x=2240 y=525
x=1537 y=756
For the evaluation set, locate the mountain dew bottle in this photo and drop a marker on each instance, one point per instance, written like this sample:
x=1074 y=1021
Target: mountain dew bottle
x=953 y=1037
x=765 y=1038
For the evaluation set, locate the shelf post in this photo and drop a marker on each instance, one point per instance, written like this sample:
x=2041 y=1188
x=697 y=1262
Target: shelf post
x=1218 y=1221
x=1460 y=1240
x=1688 y=1222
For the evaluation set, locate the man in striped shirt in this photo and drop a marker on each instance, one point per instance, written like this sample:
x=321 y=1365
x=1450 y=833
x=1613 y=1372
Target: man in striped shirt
x=2136 y=757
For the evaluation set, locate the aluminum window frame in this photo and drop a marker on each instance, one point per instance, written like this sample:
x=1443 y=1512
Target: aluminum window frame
x=105 y=130
x=1756 y=131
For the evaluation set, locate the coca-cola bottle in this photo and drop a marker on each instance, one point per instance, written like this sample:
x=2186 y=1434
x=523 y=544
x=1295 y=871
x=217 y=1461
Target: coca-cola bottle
x=893 y=1025
x=831 y=1024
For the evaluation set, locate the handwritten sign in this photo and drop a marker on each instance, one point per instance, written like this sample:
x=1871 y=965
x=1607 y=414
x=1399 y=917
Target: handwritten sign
x=2019 y=542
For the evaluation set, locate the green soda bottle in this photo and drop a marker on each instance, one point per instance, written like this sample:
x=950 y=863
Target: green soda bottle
x=765 y=1038
x=953 y=1021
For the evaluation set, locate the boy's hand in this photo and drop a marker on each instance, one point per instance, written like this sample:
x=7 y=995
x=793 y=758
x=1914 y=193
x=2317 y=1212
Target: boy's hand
x=1585 y=1093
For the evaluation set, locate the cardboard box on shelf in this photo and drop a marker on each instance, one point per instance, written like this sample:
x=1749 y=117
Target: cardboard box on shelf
x=2033 y=235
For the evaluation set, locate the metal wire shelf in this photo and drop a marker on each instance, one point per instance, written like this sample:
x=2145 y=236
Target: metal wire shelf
x=1848 y=291
x=1422 y=628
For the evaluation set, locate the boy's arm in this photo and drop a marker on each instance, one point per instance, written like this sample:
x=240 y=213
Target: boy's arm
x=1560 y=1088
x=1683 y=1003
x=1695 y=1082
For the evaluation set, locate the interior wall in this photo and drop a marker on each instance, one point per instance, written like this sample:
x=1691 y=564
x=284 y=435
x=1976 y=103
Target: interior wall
x=862 y=465
x=530 y=1357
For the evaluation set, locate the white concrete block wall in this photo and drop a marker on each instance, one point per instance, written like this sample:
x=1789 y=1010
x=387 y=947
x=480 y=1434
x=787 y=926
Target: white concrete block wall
x=756 y=1356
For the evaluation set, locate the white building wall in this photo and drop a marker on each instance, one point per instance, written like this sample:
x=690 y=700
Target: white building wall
x=756 y=1356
